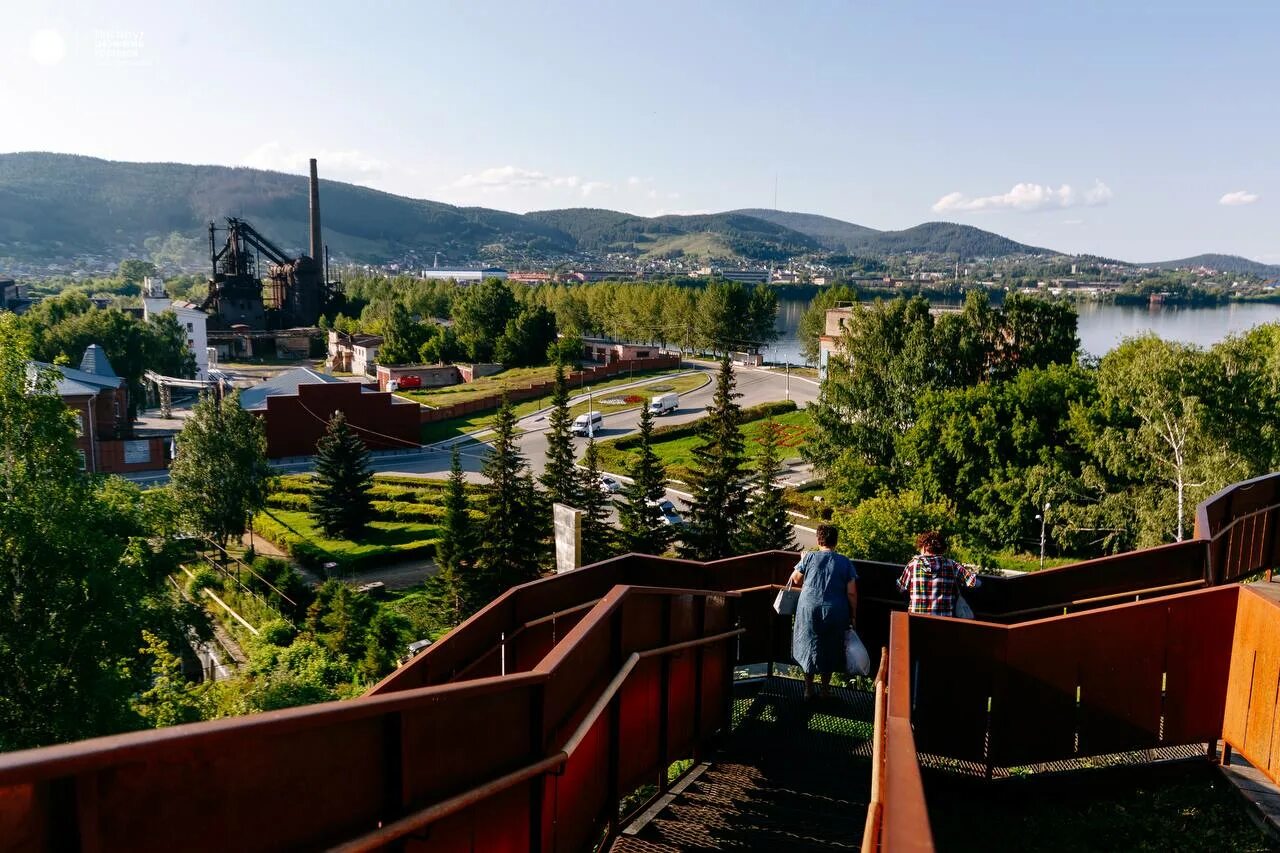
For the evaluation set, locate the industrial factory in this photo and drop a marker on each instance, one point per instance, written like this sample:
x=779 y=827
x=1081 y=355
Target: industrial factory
x=242 y=312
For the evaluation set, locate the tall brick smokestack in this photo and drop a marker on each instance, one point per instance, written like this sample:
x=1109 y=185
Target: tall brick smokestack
x=317 y=245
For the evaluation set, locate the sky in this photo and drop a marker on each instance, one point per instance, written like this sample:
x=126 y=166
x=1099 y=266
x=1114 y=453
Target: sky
x=1133 y=130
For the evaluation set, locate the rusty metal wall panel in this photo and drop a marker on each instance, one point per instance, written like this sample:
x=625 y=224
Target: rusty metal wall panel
x=1252 y=714
x=639 y=712
x=249 y=789
x=680 y=693
x=496 y=727
x=1197 y=664
x=25 y=815
x=1121 y=658
x=1033 y=716
x=717 y=661
x=955 y=664
x=580 y=791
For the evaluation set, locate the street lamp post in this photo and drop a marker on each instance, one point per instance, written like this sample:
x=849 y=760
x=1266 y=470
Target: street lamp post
x=1044 y=518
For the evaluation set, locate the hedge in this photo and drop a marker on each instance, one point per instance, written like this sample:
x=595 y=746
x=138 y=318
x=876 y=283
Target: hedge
x=289 y=500
x=663 y=433
x=408 y=511
x=313 y=556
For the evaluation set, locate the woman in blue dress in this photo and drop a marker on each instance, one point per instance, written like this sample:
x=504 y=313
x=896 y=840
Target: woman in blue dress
x=827 y=607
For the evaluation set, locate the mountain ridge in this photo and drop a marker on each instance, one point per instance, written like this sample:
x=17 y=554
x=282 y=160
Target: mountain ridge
x=56 y=206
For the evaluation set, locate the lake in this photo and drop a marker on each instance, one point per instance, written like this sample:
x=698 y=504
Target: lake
x=1102 y=325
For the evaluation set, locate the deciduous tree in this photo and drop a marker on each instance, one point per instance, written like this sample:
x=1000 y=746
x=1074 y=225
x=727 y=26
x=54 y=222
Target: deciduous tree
x=220 y=476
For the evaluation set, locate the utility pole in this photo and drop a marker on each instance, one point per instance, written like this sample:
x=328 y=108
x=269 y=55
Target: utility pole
x=788 y=381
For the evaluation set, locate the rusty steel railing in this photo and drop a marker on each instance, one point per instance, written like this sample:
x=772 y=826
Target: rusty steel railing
x=1238 y=528
x=533 y=760
x=1252 y=711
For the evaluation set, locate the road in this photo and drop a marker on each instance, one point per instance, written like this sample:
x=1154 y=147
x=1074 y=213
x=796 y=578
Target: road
x=755 y=385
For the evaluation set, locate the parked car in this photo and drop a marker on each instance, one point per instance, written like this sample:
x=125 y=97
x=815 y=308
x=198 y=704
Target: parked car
x=670 y=516
x=610 y=485
x=587 y=424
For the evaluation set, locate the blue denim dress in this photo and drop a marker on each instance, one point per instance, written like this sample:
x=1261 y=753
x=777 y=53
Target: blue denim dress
x=822 y=614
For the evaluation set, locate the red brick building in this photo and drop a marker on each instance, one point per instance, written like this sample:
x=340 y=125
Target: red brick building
x=100 y=400
x=296 y=407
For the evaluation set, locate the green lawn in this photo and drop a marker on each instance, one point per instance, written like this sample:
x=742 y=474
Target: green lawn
x=406 y=525
x=677 y=453
x=439 y=431
x=514 y=377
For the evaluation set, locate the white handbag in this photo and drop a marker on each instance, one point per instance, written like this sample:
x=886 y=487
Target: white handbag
x=788 y=598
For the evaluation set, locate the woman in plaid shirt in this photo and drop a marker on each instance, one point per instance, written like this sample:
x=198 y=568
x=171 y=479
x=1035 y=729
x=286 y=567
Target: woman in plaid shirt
x=932 y=579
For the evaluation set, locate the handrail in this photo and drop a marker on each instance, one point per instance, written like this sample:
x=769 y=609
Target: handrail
x=541 y=620
x=436 y=811
x=875 y=806
x=1098 y=599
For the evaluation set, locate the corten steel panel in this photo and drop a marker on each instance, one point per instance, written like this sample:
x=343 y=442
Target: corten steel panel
x=461 y=647
x=955 y=667
x=756 y=615
x=580 y=793
x=717 y=663
x=1033 y=714
x=719 y=615
x=1251 y=718
x=680 y=692
x=1121 y=655
x=495 y=727
x=498 y=823
x=642 y=617
x=249 y=790
x=1152 y=567
x=751 y=569
x=640 y=708
x=25 y=817
x=1197 y=663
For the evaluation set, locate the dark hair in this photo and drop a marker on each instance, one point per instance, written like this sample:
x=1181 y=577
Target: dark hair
x=828 y=535
x=932 y=541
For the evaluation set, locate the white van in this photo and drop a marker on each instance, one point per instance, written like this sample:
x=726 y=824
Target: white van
x=587 y=424
x=664 y=403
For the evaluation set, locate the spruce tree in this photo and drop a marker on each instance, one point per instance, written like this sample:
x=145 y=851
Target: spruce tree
x=512 y=535
x=643 y=531
x=560 y=477
x=767 y=526
x=719 y=496
x=597 y=536
x=455 y=552
x=340 y=499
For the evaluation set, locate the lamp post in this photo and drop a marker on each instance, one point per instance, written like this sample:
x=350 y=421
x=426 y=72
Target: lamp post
x=1044 y=518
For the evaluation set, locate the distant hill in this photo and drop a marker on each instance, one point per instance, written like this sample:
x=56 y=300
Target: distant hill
x=1224 y=263
x=834 y=234
x=62 y=207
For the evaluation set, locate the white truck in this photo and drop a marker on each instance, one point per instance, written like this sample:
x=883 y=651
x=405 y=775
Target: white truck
x=664 y=403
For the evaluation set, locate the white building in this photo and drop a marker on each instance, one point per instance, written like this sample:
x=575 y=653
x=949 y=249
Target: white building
x=474 y=274
x=156 y=301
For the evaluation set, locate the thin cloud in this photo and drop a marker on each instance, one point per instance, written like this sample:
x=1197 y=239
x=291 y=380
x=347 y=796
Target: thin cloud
x=1028 y=198
x=514 y=178
x=1238 y=198
x=338 y=164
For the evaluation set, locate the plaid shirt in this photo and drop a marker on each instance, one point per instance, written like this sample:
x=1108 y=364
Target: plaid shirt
x=934 y=583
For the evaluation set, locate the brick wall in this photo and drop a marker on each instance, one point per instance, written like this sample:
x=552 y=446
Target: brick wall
x=295 y=422
x=147 y=454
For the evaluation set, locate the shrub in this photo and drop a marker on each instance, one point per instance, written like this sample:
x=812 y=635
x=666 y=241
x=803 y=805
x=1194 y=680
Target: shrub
x=289 y=500
x=202 y=578
x=662 y=433
x=277 y=632
x=885 y=527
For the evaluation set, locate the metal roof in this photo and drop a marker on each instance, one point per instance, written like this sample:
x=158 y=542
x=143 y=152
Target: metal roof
x=282 y=384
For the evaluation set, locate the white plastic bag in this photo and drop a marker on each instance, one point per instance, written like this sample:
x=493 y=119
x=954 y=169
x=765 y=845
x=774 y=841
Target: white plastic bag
x=788 y=598
x=856 y=659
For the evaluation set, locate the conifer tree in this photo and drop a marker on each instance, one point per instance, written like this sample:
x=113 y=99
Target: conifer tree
x=597 y=536
x=455 y=552
x=719 y=497
x=512 y=535
x=643 y=531
x=767 y=527
x=340 y=500
x=560 y=477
